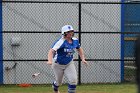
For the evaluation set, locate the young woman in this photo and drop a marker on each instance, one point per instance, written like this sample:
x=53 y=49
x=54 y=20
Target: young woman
x=60 y=56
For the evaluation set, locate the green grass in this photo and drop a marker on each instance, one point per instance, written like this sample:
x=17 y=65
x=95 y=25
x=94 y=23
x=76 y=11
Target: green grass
x=88 y=88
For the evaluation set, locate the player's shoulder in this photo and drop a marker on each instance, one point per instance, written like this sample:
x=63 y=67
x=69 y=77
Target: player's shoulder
x=74 y=38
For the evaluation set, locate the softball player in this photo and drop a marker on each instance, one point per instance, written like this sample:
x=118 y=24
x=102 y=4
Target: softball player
x=60 y=56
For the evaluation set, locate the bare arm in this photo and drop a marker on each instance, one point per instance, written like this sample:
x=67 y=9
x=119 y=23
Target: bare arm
x=50 y=56
x=81 y=53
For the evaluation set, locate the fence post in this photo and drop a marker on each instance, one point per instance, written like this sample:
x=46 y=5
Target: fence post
x=79 y=61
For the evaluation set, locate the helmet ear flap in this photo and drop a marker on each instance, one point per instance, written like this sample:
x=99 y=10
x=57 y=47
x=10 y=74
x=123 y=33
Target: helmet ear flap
x=65 y=34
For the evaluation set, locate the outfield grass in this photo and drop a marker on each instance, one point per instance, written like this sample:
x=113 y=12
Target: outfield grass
x=94 y=88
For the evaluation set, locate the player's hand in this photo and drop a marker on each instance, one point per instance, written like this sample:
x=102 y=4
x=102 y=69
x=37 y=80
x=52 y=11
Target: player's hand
x=85 y=62
x=49 y=62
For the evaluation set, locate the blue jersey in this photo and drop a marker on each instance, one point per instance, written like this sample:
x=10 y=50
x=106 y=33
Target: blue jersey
x=65 y=50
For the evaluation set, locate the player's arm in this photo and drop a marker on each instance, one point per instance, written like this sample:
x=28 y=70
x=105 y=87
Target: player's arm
x=53 y=50
x=81 y=53
x=50 y=56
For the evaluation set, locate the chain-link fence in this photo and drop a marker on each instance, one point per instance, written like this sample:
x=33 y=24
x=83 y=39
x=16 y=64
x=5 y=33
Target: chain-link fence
x=106 y=33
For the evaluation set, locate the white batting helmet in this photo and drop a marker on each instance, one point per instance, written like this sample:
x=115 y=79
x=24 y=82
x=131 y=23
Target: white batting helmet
x=66 y=28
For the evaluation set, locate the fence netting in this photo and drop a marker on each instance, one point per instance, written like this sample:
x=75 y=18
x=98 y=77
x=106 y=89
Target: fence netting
x=106 y=34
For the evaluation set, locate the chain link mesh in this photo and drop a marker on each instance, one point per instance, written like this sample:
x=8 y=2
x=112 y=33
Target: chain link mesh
x=37 y=26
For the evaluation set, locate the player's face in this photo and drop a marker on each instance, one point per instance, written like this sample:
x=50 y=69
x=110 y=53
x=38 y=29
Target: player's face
x=70 y=34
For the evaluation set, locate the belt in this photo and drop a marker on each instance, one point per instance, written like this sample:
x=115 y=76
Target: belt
x=60 y=63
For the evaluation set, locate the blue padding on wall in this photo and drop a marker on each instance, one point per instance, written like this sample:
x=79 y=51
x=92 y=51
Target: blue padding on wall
x=122 y=41
x=1 y=47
